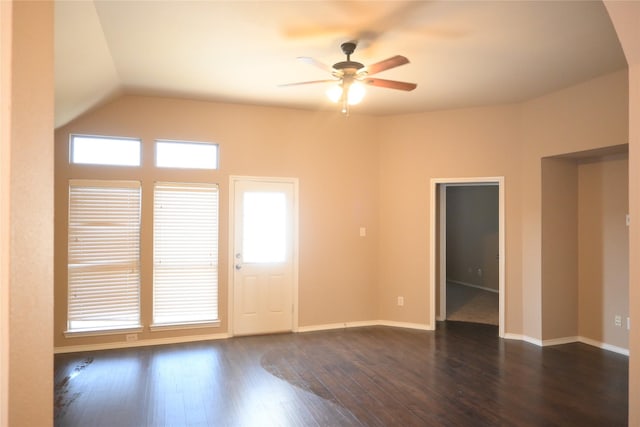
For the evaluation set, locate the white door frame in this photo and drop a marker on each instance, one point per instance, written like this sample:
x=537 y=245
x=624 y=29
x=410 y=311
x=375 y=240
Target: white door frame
x=231 y=260
x=433 y=248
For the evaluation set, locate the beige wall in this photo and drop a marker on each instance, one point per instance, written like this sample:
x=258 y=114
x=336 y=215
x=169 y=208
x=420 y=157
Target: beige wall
x=634 y=229
x=27 y=213
x=472 y=235
x=5 y=138
x=625 y=16
x=603 y=249
x=335 y=159
x=559 y=248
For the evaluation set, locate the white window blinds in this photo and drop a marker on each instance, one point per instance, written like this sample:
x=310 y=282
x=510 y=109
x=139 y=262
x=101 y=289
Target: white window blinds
x=103 y=255
x=185 y=274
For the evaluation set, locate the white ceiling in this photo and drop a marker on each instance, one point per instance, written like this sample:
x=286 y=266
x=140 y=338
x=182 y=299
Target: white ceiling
x=462 y=53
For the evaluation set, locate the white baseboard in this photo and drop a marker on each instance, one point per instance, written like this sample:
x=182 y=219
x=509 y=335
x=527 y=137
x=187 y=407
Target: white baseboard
x=560 y=341
x=510 y=336
x=330 y=326
x=141 y=343
x=588 y=341
x=525 y=338
x=567 y=340
x=614 y=348
x=419 y=326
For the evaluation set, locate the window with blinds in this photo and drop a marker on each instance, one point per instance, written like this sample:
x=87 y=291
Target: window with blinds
x=103 y=255
x=185 y=271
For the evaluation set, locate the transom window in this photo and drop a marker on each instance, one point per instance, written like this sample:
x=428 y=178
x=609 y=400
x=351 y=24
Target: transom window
x=183 y=154
x=100 y=150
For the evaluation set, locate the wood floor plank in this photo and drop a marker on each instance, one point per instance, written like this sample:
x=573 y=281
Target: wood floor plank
x=462 y=375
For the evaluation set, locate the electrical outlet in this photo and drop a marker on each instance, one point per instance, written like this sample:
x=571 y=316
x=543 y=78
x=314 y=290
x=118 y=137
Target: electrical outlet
x=618 y=320
x=400 y=301
x=131 y=337
x=479 y=272
x=628 y=323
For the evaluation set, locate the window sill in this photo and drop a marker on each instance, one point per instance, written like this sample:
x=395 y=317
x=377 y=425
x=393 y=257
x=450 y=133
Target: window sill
x=98 y=332
x=172 y=326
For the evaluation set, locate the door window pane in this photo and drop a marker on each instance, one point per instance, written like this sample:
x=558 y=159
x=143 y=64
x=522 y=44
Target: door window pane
x=264 y=227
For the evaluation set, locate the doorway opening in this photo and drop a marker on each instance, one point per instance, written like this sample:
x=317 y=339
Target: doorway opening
x=467 y=250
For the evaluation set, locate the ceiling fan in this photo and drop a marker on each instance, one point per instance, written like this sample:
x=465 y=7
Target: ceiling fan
x=351 y=75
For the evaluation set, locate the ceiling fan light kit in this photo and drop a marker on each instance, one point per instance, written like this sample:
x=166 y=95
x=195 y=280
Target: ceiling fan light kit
x=351 y=76
x=354 y=93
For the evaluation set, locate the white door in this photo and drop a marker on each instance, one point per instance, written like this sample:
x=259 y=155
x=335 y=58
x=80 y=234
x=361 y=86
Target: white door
x=263 y=250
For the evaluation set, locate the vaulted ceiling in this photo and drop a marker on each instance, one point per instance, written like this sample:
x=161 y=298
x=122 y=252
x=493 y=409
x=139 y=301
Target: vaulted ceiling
x=462 y=53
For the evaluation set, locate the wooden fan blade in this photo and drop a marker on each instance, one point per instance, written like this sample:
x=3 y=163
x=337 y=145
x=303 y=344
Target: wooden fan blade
x=390 y=84
x=316 y=63
x=394 y=61
x=308 y=83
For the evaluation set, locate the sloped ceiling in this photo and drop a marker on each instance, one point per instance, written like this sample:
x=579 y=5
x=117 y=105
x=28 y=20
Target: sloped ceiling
x=462 y=53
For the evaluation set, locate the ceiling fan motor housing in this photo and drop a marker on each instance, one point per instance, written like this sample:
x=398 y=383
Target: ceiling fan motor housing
x=348 y=47
x=348 y=66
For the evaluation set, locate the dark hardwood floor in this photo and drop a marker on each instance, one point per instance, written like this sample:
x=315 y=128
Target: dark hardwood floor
x=460 y=375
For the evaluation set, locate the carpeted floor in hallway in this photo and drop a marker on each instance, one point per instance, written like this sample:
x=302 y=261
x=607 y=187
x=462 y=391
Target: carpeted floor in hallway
x=469 y=304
